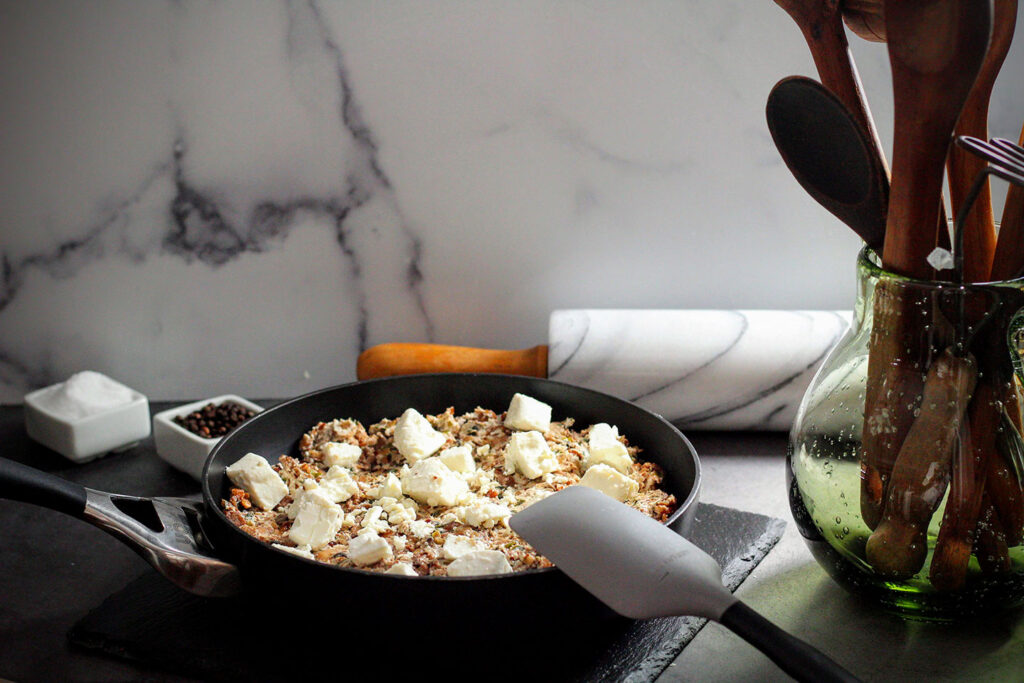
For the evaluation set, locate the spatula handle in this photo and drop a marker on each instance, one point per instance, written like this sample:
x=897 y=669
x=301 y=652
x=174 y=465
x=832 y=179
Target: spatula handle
x=792 y=655
x=386 y=360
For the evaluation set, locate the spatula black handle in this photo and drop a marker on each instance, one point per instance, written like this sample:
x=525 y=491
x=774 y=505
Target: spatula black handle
x=794 y=656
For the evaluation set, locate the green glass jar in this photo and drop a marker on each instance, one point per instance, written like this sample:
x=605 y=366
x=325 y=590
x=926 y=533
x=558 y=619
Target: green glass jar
x=906 y=462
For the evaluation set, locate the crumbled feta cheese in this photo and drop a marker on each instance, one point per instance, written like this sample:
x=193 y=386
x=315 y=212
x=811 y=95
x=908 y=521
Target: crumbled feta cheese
x=391 y=488
x=479 y=479
x=420 y=528
x=530 y=454
x=605 y=448
x=483 y=450
x=448 y=518
x=527 y=414
x=611 y=482
x=430 y=482
x=338 y=484
x=415 y=438
x=372 y=520
x=482 y=514
x=458 y=458
x=479 y=563
x=301 y=551
x=317 y=520
x=457 y=546
x=399 y=542
x=402 y=569
x=396 y=512
x=341 y=454
x=253 y=473
x=368 y=548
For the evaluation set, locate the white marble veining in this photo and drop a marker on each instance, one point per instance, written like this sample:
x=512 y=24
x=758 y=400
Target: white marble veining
x=200 y=197
x=698 y=369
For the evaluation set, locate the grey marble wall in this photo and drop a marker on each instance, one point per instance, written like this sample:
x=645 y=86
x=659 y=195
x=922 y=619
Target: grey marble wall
x=203 y=197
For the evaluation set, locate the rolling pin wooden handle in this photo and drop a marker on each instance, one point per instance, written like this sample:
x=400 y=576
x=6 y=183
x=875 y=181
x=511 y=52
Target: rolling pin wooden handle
x=385 y=360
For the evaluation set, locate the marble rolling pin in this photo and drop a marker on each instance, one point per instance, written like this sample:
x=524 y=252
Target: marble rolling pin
x=700 y=369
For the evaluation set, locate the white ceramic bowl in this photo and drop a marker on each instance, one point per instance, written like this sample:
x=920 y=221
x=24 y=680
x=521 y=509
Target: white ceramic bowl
x=179 y=447
x=81 y=439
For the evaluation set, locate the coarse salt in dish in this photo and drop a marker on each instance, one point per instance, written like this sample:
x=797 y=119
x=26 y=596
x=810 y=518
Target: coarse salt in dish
x=86 y=416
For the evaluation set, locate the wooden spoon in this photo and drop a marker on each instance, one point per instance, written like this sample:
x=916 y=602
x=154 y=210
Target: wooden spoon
x=821 y=23
x=936 y=48
x=865 y=18
x=979 y=230
x=830 y=155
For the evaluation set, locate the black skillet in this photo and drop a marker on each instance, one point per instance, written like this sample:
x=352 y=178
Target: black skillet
x=194 y=545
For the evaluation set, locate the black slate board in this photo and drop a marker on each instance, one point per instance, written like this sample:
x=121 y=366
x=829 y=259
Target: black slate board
x=152 y=622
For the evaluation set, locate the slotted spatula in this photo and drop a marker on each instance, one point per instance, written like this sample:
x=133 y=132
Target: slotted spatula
x=643 y=569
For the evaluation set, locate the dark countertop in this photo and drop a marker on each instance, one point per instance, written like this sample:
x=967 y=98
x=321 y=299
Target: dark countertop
x=55 y=569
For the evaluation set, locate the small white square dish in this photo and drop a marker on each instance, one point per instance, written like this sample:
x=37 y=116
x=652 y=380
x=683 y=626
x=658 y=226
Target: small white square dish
x=183 y=449
x=86 y=416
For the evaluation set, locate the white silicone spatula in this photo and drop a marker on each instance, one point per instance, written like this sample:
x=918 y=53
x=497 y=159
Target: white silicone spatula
x=643 y=569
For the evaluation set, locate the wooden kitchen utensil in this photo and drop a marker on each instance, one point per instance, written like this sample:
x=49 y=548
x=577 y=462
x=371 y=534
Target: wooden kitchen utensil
x=1009 y=258
x=979 y=230
x=830 y=155
x=936 y=48
x=865 y=18
x=821 y=23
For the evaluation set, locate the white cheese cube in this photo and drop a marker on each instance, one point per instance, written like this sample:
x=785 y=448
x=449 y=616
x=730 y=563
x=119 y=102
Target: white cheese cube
x=338 y=484
x=479 y=563
x=432 y=483
x=396 y=512
x=611 y=482
x=254 y=474
x=391 y=488
x=528 y=413
x=420 y=528
x=302 y=551
x=402 y=569
x=530 y=454
x=372 y=520
x=341 y=454
x=482 y=514
x=399 y=541
x=458 y=458
x=368 y=548
x=415 y=438
x=604 y=447
x=456 y=546
x=317 y=522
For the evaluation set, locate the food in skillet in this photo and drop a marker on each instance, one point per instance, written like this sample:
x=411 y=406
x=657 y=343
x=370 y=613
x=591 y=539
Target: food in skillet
x=432 y=495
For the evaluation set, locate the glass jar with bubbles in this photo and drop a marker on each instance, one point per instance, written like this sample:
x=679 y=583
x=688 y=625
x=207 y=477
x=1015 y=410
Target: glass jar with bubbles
x=906 y=462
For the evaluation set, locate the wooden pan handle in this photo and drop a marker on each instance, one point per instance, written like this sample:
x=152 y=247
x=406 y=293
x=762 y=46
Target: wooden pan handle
x=386 y=360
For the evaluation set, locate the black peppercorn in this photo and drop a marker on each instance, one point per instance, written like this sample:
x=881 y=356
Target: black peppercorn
x=213 y=421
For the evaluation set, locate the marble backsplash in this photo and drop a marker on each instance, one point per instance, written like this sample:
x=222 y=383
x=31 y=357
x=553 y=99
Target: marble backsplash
x=202 y=197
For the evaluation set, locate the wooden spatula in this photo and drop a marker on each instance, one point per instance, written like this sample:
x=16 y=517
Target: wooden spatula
x=1009 y=258
x=979 y=230
x=936 y=48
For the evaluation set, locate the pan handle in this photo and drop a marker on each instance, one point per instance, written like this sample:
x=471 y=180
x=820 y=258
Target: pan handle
x=29 y=485
x=166 y=532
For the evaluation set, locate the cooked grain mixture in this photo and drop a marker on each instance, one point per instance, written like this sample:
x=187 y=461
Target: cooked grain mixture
x=433 y=494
